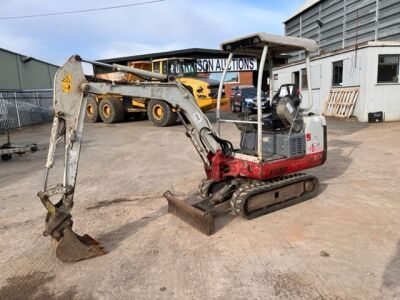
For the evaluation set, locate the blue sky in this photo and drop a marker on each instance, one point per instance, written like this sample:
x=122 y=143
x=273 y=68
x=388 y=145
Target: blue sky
x=168 y=25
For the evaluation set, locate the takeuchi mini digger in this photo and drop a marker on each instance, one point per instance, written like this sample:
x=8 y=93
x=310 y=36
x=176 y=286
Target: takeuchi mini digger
x=259 y=177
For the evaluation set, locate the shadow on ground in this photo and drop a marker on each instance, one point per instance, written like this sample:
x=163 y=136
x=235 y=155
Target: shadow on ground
x=338 y=161
x=106 y=203
x=391 y=275
x=111 y=240
x=33 y=286
x=345 y=126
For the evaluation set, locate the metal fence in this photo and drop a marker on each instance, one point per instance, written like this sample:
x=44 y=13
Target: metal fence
x=23 y=108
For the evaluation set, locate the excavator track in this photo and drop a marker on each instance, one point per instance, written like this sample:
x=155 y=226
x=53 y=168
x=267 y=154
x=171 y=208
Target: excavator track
x=258 y=198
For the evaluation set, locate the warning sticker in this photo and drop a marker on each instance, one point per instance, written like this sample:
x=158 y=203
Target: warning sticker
x=66 y=83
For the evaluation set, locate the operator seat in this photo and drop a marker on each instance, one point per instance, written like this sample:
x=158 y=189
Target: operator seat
x=271 y=121
x=287 y=90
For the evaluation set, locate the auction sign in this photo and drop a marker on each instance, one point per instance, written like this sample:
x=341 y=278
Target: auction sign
x=216 y=65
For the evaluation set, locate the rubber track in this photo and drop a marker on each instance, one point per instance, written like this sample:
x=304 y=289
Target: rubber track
x=256 y=187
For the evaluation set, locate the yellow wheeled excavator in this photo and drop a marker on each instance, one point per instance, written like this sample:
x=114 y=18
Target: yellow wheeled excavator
x=259 y=177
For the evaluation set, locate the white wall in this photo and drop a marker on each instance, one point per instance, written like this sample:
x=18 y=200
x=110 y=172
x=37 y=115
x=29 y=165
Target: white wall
x=384 y=96
x=359 y=70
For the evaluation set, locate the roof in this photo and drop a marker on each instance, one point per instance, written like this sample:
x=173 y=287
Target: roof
x=306 y=5
x=165 y=54
x=253 y=44
x=340 y=51
x=384 y=43
x=27 y=56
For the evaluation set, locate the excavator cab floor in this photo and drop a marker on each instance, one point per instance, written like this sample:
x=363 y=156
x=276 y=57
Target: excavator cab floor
x=193 y=211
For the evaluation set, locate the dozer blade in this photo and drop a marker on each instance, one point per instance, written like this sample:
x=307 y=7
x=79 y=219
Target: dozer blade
x=199 y=219
x=73 y=247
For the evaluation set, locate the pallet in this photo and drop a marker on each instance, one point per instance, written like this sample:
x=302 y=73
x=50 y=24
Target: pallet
x=340 y=102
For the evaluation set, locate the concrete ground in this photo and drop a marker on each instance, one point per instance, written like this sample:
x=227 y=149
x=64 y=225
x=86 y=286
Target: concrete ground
x=343 y=244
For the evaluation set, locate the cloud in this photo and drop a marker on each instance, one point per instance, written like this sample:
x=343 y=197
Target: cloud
x=124 y=48
x=184 y=24
x=168 y=25
x=19 y=43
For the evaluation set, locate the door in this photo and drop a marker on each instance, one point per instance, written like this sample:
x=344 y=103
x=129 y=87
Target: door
x=296 y=78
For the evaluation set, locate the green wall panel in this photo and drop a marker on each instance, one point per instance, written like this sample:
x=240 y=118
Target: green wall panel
x=34 y=74
x=9 y=78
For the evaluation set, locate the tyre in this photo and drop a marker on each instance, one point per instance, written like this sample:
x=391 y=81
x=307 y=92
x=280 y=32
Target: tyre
x=111 y=110
x=160 y=113
x=6 y=157
x=92 y=114
x=233 y=108
x=237 y=109
x=34 y=148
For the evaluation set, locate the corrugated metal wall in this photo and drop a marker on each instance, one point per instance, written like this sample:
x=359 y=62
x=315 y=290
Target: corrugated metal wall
x=18 y=75
x=336 y=24
x=25 y=90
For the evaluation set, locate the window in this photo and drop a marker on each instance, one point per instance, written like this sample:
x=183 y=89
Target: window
x=275 y=76
x=164 y=67
x=231 y=77
x=249 y=92
x=388 y=68
x=304 y=83
x=189 y=68
x=337 y=73
x=156 y=67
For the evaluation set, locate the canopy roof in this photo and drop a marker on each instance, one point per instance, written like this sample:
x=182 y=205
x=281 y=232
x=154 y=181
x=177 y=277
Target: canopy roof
x=253 y=44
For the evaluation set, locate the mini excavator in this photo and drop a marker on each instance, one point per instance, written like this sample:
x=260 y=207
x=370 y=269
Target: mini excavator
x=260 y=177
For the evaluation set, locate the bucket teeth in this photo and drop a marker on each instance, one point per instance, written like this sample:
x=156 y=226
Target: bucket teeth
x=73 y=247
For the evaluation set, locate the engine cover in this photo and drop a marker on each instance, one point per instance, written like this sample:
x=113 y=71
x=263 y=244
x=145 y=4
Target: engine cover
x=282 y=144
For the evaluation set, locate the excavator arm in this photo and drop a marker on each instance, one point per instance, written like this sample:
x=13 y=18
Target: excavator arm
x=71 y=91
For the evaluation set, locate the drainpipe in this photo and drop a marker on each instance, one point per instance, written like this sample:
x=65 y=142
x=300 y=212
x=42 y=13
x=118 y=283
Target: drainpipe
x=221 y=87
x=310 y=96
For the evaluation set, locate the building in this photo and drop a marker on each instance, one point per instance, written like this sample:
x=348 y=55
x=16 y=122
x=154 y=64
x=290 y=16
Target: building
x=372 y=68
x=210 y=63
x=359 y=47
x=338 y=24
x=20 y=72
x=25 y=90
